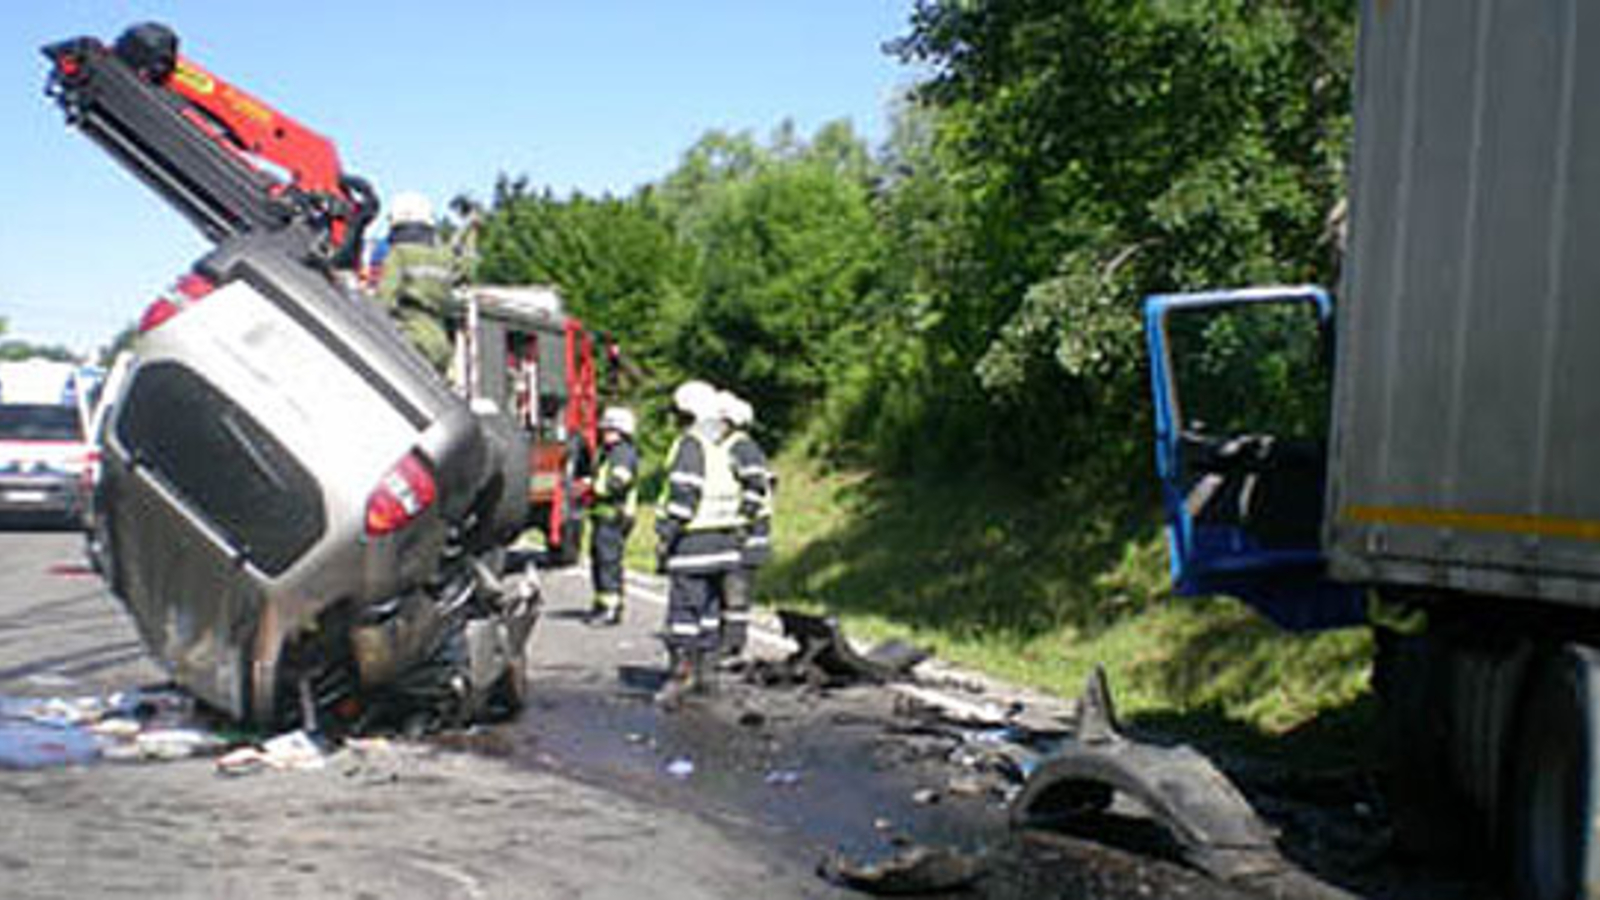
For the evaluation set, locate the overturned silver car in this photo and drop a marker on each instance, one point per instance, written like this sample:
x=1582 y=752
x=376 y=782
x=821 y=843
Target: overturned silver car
x=301 y=517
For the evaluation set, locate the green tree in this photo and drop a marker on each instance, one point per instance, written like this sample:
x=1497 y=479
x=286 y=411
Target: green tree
x=790 y=263
x=1101 y=150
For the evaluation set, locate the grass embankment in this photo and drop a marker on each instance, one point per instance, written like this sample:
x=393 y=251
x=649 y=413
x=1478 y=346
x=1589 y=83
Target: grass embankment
x=1037 y=587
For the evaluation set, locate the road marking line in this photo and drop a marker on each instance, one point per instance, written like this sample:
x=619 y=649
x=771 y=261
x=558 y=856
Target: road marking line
x=468 y=883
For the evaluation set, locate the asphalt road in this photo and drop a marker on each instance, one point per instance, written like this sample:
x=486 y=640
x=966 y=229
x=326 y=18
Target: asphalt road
x=590 y=792
x=408 y=819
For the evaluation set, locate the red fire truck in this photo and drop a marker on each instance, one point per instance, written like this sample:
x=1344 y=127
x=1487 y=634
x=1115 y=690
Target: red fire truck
x=516 y=346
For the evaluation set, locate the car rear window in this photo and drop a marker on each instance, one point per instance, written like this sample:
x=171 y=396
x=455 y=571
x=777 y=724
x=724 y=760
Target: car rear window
x=215 y=455
x=38 y=422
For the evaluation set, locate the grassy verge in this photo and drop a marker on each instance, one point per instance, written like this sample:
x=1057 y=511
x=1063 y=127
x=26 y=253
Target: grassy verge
x=1038 y=587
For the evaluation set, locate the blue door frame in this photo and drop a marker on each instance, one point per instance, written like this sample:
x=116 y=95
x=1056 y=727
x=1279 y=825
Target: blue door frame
x=1284 y=583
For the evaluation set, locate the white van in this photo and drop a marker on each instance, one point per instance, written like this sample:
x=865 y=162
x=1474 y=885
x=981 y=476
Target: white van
x=44 y=452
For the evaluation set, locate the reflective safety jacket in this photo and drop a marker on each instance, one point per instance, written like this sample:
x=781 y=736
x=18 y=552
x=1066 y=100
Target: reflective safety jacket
x=697 y=519
x=418 y=275
x=755 y=497
x=616 y=488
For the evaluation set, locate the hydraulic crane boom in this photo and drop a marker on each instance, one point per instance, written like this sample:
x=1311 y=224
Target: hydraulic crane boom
x=226 y=160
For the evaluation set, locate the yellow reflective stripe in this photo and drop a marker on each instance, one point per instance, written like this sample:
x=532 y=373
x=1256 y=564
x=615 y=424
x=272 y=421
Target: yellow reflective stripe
x=1541 y=526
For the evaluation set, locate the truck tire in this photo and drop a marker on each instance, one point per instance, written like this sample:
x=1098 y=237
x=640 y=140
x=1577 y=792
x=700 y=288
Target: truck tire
x=1408 y=677
x=1549 y=813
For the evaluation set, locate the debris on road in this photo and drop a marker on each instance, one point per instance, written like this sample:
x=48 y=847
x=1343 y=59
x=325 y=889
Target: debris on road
x=175 y=743
x=915 y=869
x=292 y=751
x=782 y=778
x=34 y=745
x=1212 y=822
x=154 y=724
x=825 y=657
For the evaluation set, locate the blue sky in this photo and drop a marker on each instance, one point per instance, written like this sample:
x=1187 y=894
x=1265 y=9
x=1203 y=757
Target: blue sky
x=438 y=97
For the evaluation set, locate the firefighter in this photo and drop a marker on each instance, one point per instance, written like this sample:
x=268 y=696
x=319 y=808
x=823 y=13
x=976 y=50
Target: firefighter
x=418 y=277
x=697 y=539
x=755 y=511
x=612 y=508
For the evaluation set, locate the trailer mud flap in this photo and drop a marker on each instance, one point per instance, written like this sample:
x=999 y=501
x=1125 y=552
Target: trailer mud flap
x=1211 y=821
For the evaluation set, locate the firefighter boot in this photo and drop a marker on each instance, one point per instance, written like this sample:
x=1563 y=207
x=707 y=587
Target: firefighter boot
x=606 y=609
x=680 y=680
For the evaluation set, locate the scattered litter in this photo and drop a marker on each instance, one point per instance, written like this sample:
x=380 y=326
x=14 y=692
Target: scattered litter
x=175 y=743
x=783 y=778
x=293 y=751
x=33 y=745
x=967 y=786
x=914 y=869
x=369 y=744
x=153 y=724
x=680 y=767
x=117 y=728
x=925 y=797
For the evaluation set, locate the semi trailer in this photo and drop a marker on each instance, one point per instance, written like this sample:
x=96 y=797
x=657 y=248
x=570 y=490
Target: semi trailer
x=1431 y=474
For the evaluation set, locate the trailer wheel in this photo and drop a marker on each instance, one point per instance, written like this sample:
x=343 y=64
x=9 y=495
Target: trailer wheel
x=1548 y=828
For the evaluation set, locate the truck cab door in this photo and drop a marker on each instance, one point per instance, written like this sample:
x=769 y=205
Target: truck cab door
x=1241 y=385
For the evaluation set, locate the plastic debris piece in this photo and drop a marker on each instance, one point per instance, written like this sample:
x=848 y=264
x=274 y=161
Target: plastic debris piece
x=34 y=745
x=783 y=778
x=123 y=729
x=175 y=743
x=294 y=750
x=369 y=745
x=291 y=751
x=680 y=767
x=242 y=761
x=925 y=797
x=967 y=786
x=912 y=869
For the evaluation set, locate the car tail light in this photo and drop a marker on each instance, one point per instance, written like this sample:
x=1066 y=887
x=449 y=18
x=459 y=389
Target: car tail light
x=89 y=472
x=402 y=494
x=187 y=290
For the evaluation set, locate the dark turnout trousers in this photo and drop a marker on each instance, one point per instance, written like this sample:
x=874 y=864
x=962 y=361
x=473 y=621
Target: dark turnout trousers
x=608 y=540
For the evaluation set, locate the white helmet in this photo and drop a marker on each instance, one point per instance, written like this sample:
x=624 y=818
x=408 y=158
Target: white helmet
x=410 y=208
x=735 y=410
x=619 y=419
x=695 y=398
